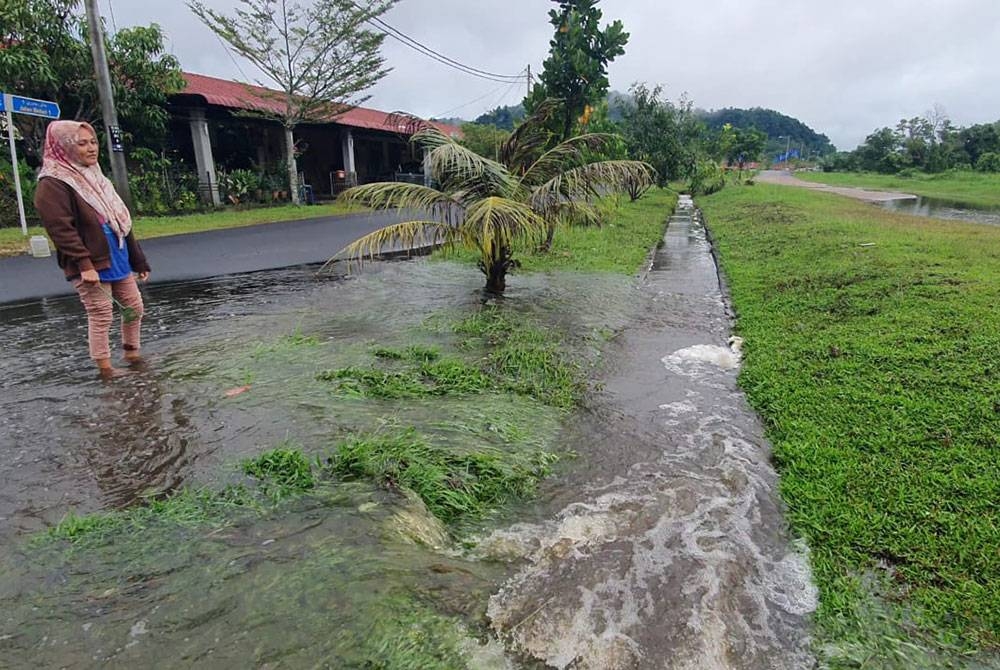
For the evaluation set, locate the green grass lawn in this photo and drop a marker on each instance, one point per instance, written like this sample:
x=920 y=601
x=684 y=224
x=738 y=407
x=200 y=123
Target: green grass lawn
x=873 y=355
x=976 y=189
x=13 y=243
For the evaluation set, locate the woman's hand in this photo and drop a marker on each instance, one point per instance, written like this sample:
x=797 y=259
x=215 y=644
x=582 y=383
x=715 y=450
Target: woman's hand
x=143 y=276
x=90 y=277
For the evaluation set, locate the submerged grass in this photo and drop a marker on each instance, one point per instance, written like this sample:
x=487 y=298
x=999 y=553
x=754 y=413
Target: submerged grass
x=522 y=358
x=872 y=345
x=454 y=485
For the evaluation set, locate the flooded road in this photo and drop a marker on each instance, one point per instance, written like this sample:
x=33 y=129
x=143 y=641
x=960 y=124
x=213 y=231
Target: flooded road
x=657 y=543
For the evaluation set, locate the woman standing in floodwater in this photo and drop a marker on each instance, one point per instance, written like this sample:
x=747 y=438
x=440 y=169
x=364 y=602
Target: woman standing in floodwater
x=91 y=229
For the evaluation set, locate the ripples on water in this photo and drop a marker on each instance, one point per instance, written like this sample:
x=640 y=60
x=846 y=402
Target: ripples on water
x=659 y=545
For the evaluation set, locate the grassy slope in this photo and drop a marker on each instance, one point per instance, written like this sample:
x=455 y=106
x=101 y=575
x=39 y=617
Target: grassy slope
x=972 y=188
x=873 y=354
x=13 y=243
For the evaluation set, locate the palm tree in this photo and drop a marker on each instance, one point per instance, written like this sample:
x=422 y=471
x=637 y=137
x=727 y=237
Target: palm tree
x=495 y=207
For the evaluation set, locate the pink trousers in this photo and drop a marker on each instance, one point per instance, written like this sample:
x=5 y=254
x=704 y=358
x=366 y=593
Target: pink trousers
x=96 y=299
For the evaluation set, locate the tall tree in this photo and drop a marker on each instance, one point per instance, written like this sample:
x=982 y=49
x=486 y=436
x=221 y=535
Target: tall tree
x=44 y=53
x=576 y=70
x=320 y=56
x=663 y=134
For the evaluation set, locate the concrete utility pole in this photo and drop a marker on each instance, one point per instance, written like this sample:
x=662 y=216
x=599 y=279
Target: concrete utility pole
x=529 y=81
x=116 y=150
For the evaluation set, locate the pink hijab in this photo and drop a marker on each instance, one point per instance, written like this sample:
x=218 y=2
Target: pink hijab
x=88 y=182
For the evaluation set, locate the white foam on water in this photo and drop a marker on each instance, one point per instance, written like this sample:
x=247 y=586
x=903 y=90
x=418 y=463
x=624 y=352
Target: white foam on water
x=692 y=361
x=670 y=556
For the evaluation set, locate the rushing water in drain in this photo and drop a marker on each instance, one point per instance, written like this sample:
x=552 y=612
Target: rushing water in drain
x=659 y=545
x=943 y=209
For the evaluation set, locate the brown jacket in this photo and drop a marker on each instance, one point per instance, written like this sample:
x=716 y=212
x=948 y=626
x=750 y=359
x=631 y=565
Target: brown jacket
x=75 y=229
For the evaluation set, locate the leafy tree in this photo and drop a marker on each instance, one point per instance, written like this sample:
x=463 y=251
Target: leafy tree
x=44 y=53
x=988 y=162
x=321 y=56
x=881 y=152
x=496 y=207
x=485 y=140
x=576 y=70
x=746 y=147
x=656 y=131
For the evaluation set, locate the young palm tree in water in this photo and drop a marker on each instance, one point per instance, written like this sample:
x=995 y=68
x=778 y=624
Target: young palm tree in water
x=497 y=207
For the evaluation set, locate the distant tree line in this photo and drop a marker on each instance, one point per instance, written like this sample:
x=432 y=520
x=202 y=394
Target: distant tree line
x=927 y=143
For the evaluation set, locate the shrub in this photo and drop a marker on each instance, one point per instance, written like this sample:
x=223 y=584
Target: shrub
x=8 y=195
x=989 y=162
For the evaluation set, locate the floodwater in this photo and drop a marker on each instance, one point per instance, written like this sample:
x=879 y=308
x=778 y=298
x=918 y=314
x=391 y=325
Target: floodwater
x=657 y=543
x=943 y=209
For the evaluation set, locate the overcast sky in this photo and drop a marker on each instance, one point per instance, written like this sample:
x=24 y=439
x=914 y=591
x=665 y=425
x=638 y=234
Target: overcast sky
x=843 y=67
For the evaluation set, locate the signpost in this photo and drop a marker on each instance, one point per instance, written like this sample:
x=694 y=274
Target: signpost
x=16 y=104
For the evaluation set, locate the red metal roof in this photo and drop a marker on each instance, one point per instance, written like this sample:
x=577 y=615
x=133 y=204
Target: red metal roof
x=237 y=95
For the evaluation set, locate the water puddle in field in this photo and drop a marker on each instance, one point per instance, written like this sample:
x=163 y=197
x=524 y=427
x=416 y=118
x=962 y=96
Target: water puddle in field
x=937 y=208
x=657 y=542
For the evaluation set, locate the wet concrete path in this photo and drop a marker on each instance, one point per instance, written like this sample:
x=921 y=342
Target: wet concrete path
x=209 y=254
x=674 y=554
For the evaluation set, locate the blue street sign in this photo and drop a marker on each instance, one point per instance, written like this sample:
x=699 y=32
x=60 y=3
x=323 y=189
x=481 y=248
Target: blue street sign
x=30 y=106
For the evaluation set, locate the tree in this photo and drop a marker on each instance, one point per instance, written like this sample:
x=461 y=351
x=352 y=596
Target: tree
x=652 y=131
x=497 y=207
x=44 y=53
x=576 y=70
x=321 y=56
x=485 y=140
x=746 y=147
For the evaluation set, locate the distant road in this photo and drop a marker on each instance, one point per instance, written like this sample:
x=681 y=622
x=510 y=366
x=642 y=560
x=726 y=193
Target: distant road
x=209 y=254
x=785 y=178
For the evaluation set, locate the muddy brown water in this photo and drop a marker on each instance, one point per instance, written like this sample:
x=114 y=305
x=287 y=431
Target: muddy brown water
x=658 y=544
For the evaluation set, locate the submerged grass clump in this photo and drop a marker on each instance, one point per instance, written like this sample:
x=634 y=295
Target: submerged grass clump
x=873 y=355
x=281 y=472
x=452 y=484
x=522 y=359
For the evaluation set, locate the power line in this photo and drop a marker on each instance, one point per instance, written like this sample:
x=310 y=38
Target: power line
x=424 y=50
x=428 y=51
x=482 y=97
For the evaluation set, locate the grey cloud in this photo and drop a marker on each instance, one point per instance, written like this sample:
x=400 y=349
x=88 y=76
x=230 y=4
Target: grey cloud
x=845 y=68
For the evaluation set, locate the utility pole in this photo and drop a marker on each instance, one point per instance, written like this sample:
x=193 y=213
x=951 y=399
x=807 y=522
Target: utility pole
x=113 y=133
x=529 y=81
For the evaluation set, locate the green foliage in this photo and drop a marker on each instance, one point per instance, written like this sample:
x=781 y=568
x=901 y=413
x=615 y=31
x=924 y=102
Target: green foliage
x=871 y=346
x=746 y=146
x=522 y=359
x=656 y=131
x=9 y=216
x=708 y=178
x=240 y=185
x=282 y=472
x=453 y=485
x=485 y=140
x=46 y=55
x=157 y=188
x=575 y=71
x=989 y=162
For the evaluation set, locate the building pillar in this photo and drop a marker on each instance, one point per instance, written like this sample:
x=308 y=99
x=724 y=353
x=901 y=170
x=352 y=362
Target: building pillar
x=428 y=181
x=203 y=159
x=349 y=166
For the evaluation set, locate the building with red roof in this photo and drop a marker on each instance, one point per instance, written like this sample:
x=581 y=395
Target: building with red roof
x=227 y=125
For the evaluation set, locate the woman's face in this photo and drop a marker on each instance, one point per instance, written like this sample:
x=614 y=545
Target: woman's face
x=85 y=148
